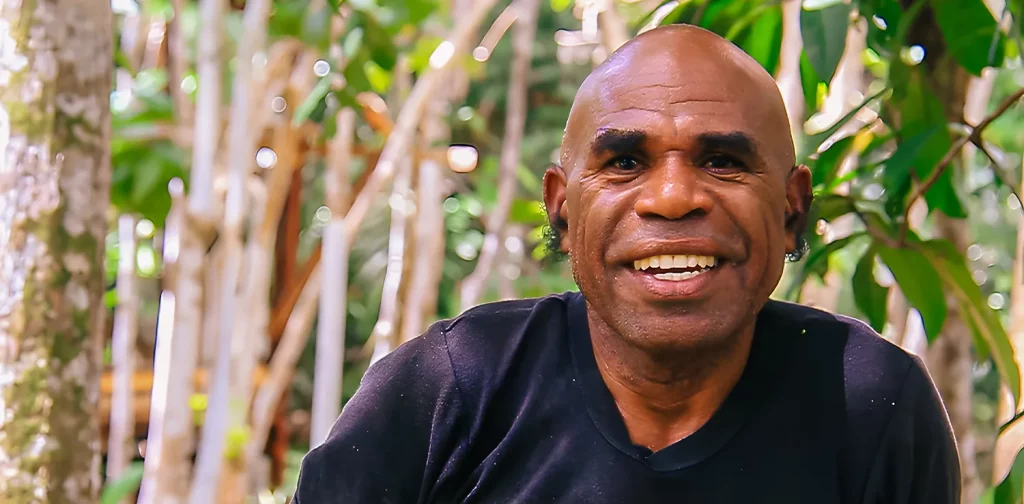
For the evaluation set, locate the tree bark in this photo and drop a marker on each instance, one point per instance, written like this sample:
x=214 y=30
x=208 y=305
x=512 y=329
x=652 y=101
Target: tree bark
x=56 y=68
x=515 y=122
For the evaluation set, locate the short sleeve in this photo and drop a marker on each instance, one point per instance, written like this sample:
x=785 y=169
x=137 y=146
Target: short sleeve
x=395 y=436
x=917 y=461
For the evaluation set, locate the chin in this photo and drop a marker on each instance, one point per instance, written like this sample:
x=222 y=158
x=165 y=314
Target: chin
x=689 y=333
x=679 y=329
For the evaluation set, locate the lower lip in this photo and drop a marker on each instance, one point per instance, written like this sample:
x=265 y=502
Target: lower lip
x=692 y=287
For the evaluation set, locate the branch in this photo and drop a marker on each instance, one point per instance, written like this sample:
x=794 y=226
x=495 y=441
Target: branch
x=1002 y=174
x=875 y=233
x=974 y=137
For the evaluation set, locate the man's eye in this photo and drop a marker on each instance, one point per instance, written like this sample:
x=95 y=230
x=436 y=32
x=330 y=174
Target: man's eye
x=723 y=163
x=624 y=163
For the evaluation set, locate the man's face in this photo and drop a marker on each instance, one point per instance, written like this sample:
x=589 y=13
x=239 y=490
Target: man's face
x=675 y=197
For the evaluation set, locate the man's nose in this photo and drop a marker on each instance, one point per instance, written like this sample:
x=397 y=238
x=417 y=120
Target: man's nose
x=673 y=190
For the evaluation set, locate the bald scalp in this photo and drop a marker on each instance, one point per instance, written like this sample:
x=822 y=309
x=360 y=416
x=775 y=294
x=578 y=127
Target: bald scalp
x=677 y=56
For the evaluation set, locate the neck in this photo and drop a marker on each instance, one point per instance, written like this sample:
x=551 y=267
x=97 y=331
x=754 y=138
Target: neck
x=665 y=396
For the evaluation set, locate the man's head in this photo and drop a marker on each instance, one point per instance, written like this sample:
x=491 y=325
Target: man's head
x=677 y=149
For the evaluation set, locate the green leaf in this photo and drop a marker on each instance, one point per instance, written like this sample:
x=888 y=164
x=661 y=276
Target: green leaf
x=380 y=79
x=419 y=58
x=817 y=258
x=920 y=283
x=380 y=43
x=147 y=178
x=868 y=295
x=560 y=5
x=896 y=174
x=813 y=142
x=316 y=27
x=971 y=33
x=530 y=181
x=952 y=268
x=352 y=43
x=830 y=206
x=809 y=82
x=303 y=111
x=120 y=489
x=528 y=212
x=922 y=110
x=765 y=38
x=825 y=167
x=881 y=32
x=824 y=35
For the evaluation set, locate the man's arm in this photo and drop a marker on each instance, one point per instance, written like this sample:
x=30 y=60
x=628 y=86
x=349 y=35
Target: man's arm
x=917 y=461
x=394 y=436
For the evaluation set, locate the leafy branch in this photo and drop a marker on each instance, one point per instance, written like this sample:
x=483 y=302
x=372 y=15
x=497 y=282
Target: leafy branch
x=947 y=159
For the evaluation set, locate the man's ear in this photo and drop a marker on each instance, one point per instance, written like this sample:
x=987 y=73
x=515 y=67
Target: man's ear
x=799 y=194
x=555 y=183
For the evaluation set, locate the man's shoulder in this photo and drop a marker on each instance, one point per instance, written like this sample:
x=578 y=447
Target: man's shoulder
x=487 y=341
x=872 y=366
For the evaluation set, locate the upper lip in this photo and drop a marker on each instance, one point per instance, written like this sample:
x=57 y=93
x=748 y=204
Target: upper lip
x=687 y=246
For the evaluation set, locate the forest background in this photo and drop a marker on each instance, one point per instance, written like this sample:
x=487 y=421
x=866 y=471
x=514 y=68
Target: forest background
x=214 y=215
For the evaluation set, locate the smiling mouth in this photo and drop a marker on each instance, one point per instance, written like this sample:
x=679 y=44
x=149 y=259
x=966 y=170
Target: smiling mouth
x=675 y=268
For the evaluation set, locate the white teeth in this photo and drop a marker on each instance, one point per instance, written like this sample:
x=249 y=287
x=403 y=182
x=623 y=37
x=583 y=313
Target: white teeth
x=675 y=277
x=674 y=261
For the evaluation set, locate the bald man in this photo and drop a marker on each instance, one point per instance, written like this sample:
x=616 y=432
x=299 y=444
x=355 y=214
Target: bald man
x=670 y=377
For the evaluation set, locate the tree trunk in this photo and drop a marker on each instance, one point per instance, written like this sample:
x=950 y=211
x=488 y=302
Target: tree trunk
x=950 y=363
x=524 y=29
x=55 y=79
x=170 y=443
x=122 y=409
x=330 y=336
x=949 y=358
x=787 y=76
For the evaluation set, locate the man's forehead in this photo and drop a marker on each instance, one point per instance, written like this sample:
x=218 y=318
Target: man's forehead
x=682 y=81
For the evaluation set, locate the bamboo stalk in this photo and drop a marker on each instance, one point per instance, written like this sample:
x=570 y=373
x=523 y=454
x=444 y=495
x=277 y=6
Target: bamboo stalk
x=330 y=337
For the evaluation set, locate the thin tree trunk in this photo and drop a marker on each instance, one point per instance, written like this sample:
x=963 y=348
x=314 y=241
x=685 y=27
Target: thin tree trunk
x=950 y=362
x=177 y=65
x=515 y=122
x=221 y=414
x=55 y=83
x=121 y=445
x=170 y=444
x=787 y=77
x=384 y=330
x=1010 y=442
x=297 y=329
x=429 y=236
x=400 y=140
x=330 y=337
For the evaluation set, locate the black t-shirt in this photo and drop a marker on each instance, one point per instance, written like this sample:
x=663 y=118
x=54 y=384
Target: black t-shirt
x=505 y=404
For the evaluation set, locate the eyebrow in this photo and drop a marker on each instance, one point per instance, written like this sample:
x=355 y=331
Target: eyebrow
x=618 y=140
x=735 y=142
